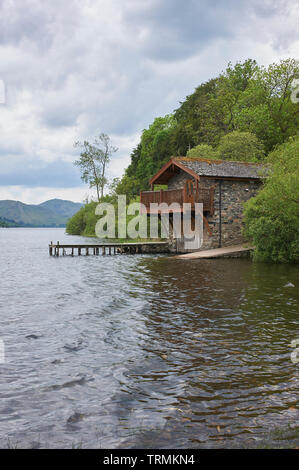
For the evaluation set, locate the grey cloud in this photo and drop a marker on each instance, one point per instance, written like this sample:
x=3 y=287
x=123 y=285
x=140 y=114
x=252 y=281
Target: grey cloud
x=59 y=112
x=113 y=66
x=24 y=20
x=269 y=8
x=57 y=174
x=34 y=21
x=178 y=29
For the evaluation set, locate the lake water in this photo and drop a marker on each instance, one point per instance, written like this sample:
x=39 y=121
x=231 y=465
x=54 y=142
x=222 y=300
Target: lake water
x=142 y=351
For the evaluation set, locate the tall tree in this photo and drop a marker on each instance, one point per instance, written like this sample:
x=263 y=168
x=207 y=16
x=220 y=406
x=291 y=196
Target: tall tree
x=94 y=160
x=266 y=108
x=155 y=148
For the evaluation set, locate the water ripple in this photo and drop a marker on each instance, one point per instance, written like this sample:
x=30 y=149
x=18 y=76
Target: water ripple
x=142 y=351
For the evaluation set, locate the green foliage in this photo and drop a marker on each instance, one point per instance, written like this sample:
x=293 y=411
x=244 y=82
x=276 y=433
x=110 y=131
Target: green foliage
x=272 y=217
x=3 y=223
x=155 y=148
x=240 y=146
x=245 y=113
x=210 y=112
x=153 y=151
x=203 y=151
x=245 y=98
x=129 y=186
x=266 y=108
x=84 y=221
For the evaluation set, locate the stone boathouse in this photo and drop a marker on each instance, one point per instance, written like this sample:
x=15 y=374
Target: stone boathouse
x=222 y=187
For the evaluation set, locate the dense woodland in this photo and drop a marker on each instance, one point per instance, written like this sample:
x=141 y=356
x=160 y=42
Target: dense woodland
x=244 y=98
x=246 y=113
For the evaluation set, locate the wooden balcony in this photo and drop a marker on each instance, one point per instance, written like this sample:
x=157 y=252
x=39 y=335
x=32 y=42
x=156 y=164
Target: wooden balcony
x=180 y=196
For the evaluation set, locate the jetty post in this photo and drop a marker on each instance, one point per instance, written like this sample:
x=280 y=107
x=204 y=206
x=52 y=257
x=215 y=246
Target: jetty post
x=107 y=248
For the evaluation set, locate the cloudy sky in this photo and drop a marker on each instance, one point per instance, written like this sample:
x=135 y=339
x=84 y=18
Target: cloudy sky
x=75 y=68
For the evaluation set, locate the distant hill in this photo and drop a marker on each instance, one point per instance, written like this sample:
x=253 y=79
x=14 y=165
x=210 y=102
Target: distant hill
x=61 y=207
x=53 y=213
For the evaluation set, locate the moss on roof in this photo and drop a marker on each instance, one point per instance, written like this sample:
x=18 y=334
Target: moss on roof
x=222 y=168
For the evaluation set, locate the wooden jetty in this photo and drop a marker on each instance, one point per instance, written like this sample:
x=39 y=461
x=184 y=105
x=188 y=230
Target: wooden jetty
x=224 y=252
x=57 y=249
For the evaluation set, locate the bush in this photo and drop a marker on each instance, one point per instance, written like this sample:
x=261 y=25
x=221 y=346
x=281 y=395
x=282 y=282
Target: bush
x=272 y=217
x=203 y=151
x=83 y=222
x=241 y=146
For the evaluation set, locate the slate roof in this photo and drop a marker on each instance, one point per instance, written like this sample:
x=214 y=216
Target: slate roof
x=222 y=168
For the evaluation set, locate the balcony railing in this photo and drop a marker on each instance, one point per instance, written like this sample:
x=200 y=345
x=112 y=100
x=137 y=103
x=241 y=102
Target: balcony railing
x=180 y=196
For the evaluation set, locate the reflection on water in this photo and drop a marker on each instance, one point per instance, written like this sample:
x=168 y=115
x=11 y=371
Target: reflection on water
x=140 y=351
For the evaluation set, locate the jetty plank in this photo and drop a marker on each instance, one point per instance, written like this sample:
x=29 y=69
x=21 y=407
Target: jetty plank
x=223 y=252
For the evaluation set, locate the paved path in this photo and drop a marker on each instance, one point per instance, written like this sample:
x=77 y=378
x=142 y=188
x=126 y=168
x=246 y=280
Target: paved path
x=217 y=252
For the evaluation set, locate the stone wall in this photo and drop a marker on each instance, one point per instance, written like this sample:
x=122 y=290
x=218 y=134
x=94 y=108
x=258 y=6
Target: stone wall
x=233 y=195
x=178 y=180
